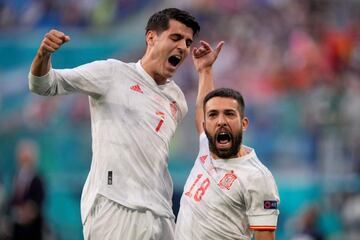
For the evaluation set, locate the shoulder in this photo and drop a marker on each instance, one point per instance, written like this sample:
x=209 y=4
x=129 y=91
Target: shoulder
x=255 y=174
x=119 y=63
x=173 y=91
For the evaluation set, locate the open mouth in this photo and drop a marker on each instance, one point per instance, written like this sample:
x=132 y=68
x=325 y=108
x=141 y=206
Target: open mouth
x=174 y=60
x=223 y=138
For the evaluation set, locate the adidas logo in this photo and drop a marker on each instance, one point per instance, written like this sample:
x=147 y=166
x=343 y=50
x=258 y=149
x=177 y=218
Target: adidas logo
x=203 y=158
x=136 y=88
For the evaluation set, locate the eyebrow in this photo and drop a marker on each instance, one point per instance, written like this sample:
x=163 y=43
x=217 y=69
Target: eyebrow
x=181 y=36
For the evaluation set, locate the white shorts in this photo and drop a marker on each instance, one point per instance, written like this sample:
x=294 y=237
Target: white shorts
x=109 y=220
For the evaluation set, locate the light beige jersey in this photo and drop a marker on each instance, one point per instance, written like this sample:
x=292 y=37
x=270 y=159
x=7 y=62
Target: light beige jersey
x=132 y=122
x=227 y=199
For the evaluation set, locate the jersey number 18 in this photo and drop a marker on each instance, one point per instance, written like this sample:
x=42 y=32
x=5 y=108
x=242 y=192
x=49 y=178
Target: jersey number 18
x=201 y=190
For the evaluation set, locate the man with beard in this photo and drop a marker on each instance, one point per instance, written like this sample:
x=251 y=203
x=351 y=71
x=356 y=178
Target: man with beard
x=229 y=193
x=135 y=109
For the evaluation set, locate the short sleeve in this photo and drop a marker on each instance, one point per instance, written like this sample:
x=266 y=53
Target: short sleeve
x=262 y=200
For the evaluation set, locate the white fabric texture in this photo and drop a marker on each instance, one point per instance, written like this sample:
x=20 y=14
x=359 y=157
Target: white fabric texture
x=109 y=220
x=224 y=199
x=132 y=121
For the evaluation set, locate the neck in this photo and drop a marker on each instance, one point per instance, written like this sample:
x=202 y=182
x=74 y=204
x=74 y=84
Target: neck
x=149 y=64
x=242 y=152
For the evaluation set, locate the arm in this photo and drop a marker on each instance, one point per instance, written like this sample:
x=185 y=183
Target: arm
x=265 y=235
x=262 y=200
x=52 y=41
x=92 y=79
x=204 y=57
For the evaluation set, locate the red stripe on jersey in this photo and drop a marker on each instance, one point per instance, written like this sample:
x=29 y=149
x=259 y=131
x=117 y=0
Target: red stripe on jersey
x=263 y=228
x=159 y=125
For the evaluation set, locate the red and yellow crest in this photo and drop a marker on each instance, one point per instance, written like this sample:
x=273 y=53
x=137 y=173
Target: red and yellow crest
x=227 y=180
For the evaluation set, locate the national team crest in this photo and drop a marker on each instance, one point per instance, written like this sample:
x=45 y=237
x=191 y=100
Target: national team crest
x=227 y=180
x=173 y=109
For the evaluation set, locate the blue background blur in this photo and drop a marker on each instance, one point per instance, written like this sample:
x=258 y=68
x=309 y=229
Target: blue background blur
x=297 y=64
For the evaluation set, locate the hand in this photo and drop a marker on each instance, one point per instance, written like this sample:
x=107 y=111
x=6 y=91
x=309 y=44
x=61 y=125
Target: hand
x=204 y=56
x=51 y=42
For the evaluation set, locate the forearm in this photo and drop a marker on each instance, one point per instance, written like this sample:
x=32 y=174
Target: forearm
x=206 y=85
x=39 y=79
x=204 y=57
x=41 y=64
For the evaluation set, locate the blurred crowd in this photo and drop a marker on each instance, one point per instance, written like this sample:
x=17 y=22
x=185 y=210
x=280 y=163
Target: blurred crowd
x=297 y=62
x=31 y=14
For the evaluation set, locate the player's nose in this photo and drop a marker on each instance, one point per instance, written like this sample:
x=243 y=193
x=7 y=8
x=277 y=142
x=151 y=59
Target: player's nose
x=182 y=45
x=221 y=121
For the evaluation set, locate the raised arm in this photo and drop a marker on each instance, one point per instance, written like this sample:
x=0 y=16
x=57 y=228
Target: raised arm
x=204 y=57
x=52 y=41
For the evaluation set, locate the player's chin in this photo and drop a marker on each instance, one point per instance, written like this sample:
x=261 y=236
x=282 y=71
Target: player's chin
x=223 y=146
x=226 y=151
x=225 y=154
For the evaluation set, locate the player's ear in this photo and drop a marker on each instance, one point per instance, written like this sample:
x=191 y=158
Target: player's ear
x=244 y=123
x=150 y=37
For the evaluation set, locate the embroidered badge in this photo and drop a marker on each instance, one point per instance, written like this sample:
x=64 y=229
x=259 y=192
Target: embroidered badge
x=227 y=180
x=268 y=204
x=136 y=88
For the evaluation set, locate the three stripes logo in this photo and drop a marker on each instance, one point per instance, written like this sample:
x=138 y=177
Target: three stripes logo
x=136 y=88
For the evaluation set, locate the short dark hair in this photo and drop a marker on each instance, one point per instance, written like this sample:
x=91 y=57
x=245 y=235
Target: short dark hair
x=227 y=93
x=159 y=21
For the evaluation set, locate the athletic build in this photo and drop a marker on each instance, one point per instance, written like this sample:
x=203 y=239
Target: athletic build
x=229 y=193
x=135 y=110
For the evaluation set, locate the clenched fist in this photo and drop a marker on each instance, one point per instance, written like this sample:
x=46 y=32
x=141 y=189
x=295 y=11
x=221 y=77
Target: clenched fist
x=52 y=41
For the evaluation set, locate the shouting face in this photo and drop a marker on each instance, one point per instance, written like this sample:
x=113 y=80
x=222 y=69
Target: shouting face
x=168 y=49
x=224 y=127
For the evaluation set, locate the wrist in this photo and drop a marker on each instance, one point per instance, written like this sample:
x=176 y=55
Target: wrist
x=43 y=55
x=206 y=70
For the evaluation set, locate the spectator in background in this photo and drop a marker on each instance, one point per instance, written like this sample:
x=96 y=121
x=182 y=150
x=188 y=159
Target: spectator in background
x=351 y=216
x=307 y=225
x=3 y=222
x=28 y=193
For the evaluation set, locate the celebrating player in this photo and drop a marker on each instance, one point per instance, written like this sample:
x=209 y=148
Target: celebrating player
x=135 y=109
x=229 y=193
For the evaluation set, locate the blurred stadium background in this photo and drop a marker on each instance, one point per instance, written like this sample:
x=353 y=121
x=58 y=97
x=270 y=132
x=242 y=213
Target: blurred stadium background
x=297 y=62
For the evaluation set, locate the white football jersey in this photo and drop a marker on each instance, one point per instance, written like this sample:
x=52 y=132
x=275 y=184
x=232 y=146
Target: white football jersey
x=227 y=199
x=132 y=121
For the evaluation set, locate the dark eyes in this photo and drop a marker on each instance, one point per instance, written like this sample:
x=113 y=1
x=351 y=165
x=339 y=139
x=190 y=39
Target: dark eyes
x=230 y=114
x=178 y=37
x=188 y=43
x=212 y=114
